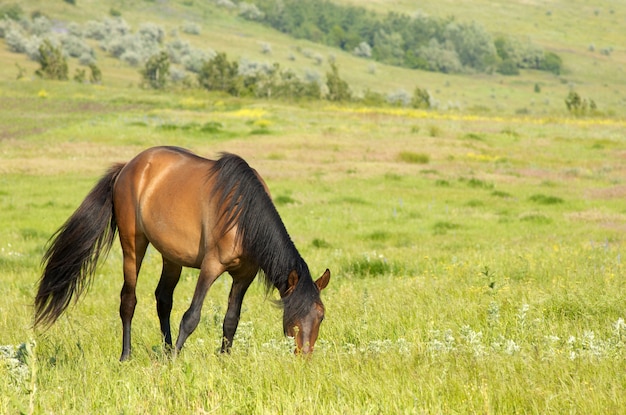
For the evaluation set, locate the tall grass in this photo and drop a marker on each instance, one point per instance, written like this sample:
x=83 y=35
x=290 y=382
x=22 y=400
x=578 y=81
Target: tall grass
x=488 y=281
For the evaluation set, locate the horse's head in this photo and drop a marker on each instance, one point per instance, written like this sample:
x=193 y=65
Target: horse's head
x=302 y=321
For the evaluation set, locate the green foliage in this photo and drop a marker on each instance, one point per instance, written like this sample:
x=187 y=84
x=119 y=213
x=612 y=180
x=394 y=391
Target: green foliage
x=218 y=74
x=420 y=99
x=338 y=89
x=577 y=105
x=545 y=199
x=156 y=71
x=551 y=62
x=412 y=157
x=508 y=67
x=80 y=75
x=53 y=64
x=96 y=74
x=11 y=11
x=443 y=45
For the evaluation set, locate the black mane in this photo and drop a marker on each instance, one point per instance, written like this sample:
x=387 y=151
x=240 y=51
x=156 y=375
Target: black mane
x=244 y=202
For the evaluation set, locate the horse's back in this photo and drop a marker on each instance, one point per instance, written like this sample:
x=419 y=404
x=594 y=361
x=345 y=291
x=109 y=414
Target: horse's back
x=163 y=193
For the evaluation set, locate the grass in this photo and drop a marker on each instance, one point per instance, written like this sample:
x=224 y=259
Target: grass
x=411 y=311
x=488 y=281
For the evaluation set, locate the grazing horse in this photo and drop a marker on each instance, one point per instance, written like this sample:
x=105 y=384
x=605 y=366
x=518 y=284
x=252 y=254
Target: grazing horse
x=213 y=215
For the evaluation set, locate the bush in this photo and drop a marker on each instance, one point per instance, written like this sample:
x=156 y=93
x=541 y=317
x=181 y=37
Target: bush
x=250 y=11
x=16 y=39
x=364 y=50
x=150 y=33
x=399 y=98
x=53 y=63
x=194 y=60
x=508 y=67
x=219 y=74
x=338 y=89
x=413 y=158
x=40 y=26
x=421 y=99
x=156 y=71
x=440 y=58
x=131 y=57
x=76 y=47
x=577 y=105
x=11 y=11
x=96 y=74
x=552 y=63
x=190 y=28
x=473 y=45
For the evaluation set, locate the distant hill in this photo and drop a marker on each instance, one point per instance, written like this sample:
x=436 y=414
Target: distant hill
x=587 y=38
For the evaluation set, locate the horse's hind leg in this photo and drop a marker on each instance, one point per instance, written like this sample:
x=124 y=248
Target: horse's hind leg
x=164 y=297
x=235 y=298
x=134 y=250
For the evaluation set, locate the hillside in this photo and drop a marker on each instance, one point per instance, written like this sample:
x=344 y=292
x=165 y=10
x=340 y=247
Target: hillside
x=585 y=36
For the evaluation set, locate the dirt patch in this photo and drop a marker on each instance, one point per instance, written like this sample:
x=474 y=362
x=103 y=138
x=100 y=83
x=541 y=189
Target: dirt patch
x=615 y=192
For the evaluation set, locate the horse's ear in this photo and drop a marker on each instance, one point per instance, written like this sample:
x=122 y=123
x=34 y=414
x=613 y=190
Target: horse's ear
x=292 y=281
x=322 y=281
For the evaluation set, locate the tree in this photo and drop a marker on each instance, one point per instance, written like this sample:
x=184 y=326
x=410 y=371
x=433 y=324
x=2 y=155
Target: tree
x=156 y=70
x=473 y=44
x=219 y=74
x=53 y=63
x=338 y=89
x=421 y=99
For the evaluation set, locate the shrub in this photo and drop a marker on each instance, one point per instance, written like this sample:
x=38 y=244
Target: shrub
x=440 y=58
x=364 y=50
x=338 y=89
x=196 y=58
x=472 y=43
x=191 y=28
x=219 y=74
x=250 y=11
x=441 y=228
x=86 y=59
x=150 y=33
x=75 y=46
x=11 y=11
x=577 y=105
x=156 y=71
x=80 y=75
x=508 y=67
x=415 y=158
x=41 y=25
x=421 y=98
x=16 y=39
x=373 y=98
x=399 y=98
x=545 y=200
x=53 y=63
x=551 y=62
x=96 y=74
x=131 y=57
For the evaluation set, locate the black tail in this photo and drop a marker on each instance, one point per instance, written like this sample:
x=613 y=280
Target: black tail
x=75 y=248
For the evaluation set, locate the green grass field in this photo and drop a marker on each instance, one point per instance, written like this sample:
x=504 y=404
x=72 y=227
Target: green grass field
x=476 y=258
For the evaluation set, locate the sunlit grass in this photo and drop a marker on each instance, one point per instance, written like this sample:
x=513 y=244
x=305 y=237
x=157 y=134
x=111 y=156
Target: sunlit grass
x=481 y=272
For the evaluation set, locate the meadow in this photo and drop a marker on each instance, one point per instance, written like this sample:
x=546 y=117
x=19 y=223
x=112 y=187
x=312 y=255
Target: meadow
x=476 y=259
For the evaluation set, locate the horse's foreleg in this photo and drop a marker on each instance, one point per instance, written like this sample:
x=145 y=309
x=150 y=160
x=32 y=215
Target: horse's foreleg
x=231 y=319
x=191 y=318
x=164 y=297
x=128 y=299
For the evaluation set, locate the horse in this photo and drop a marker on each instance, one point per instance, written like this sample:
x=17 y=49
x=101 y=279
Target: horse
x=213 y=215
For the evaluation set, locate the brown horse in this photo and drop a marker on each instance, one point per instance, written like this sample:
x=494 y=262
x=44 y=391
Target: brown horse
x=216 y=216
